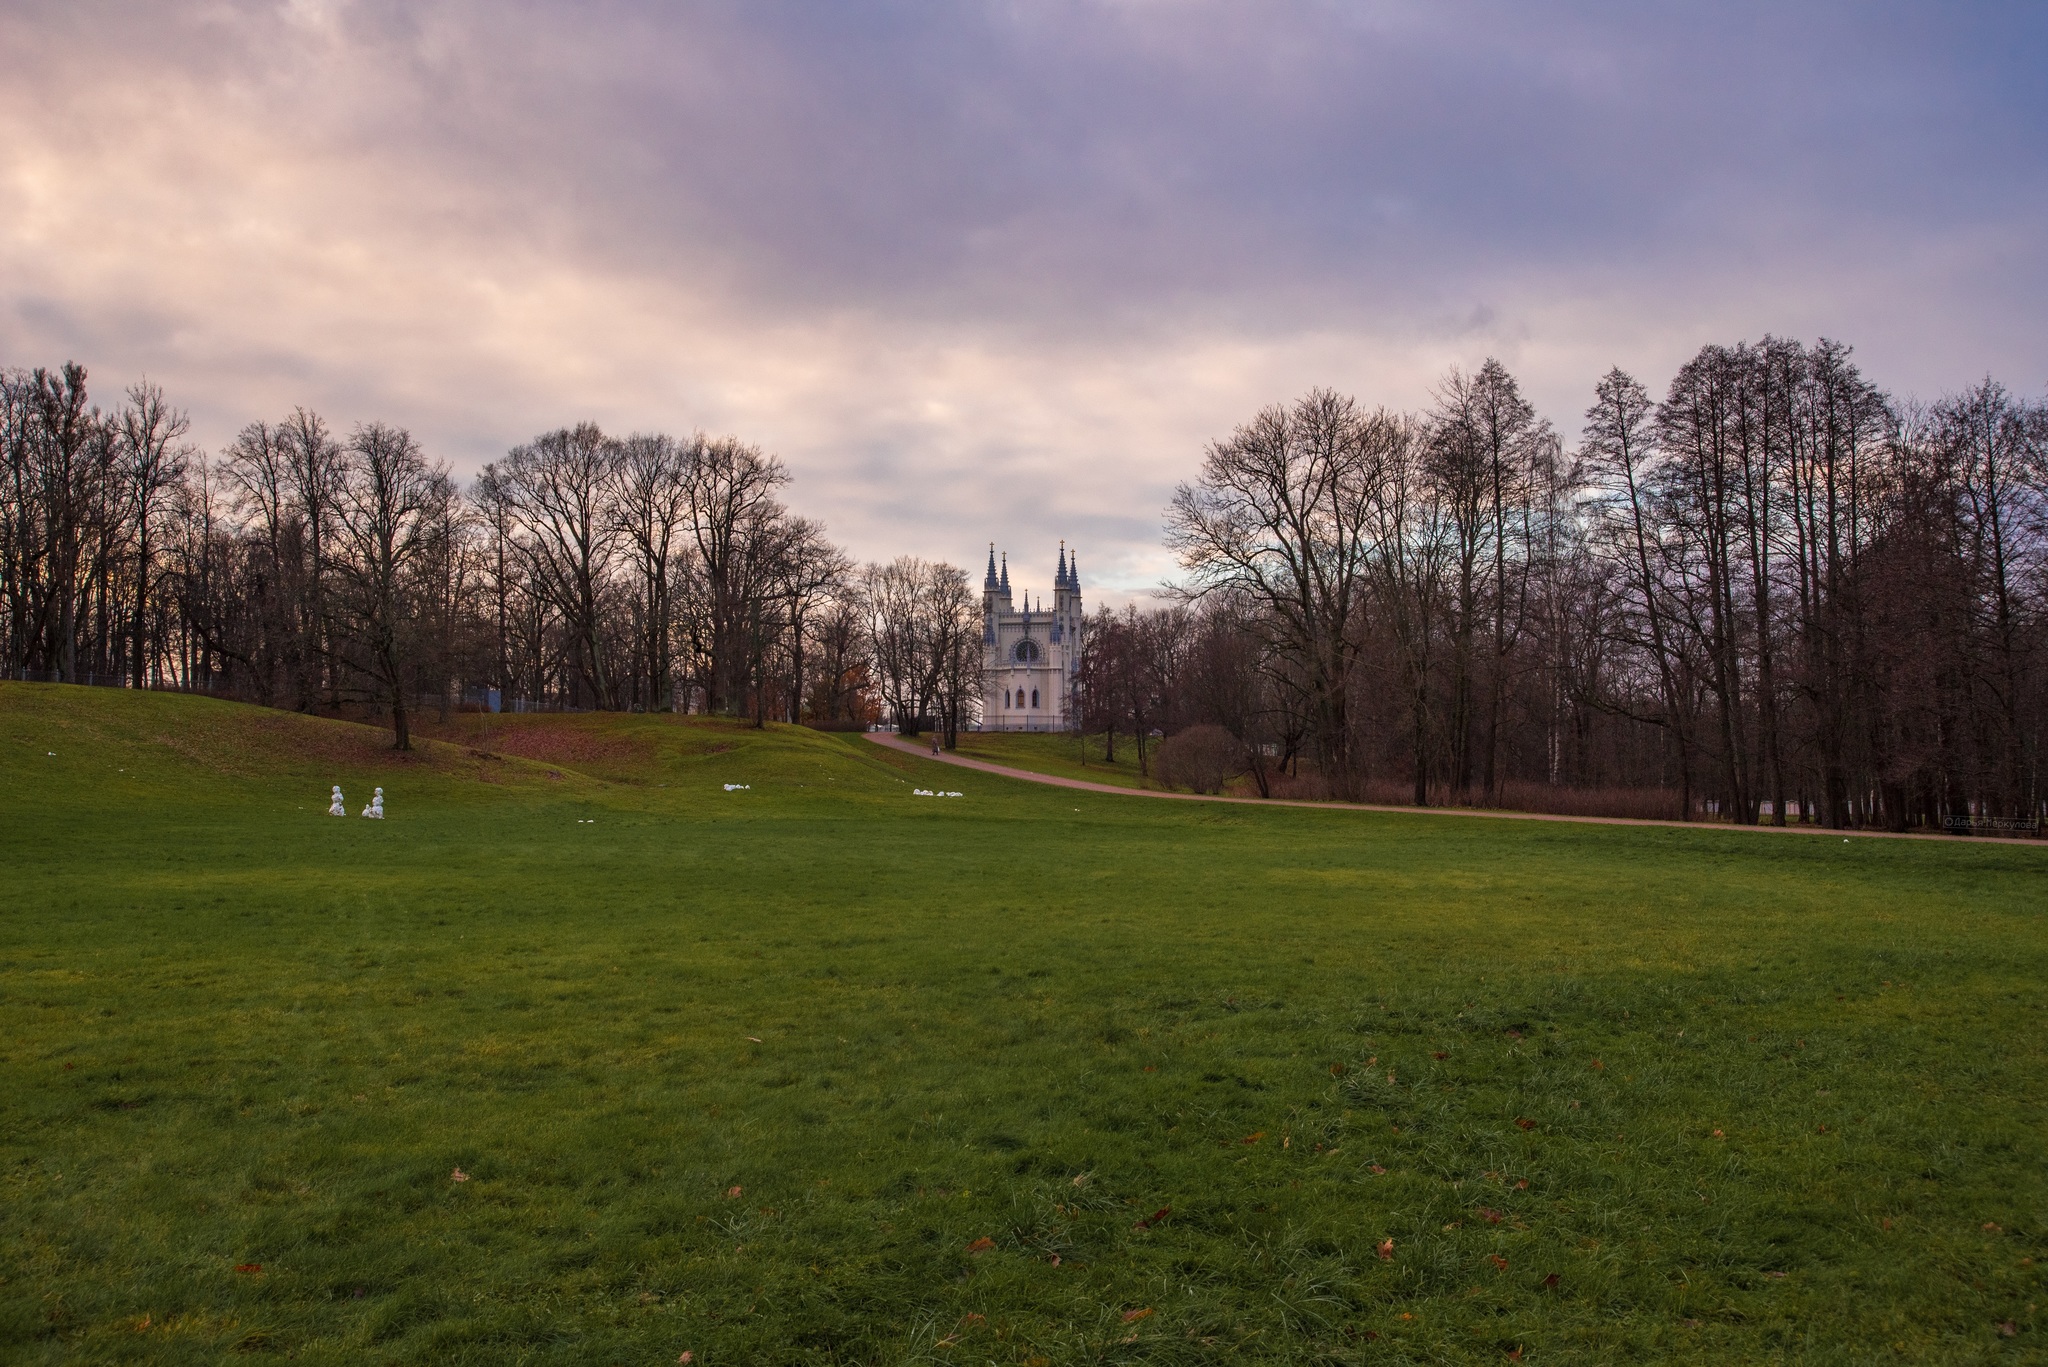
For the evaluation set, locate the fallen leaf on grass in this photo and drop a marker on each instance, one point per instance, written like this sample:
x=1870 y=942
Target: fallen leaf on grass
x=732 y=1193
x=1336 y=1069
x=1524 y=1123
x=1253 y=1138
x=1500 y=1264
x=1522 y=1185
x=1377 y=1170
x=1385 y=1249
x=1439 y=1054
x=1550 y=1282
x=1598 y=1064
x=249 y=1267
x=971 y=1317
x=2006 y=1329
x=1991 y=1226
x=1515 y=1353
x=1719 y=1135
x=1130 y=1315
x=1080 y=1179
x=458 y=1176
x=751 y=1039
x=981 y=1245
x=1492 y=1217
x=1154 y=1218
x=687 y=1356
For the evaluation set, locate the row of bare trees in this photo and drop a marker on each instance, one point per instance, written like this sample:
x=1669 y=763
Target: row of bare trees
x=304 y=569
x=1776 y=592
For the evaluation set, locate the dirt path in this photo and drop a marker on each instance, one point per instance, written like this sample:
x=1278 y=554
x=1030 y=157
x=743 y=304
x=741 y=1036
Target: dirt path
x=923 y=751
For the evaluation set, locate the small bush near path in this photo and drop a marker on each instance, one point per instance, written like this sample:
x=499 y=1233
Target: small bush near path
x=1202 y=759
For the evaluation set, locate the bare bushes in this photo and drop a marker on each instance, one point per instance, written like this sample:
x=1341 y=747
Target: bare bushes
x=1203 y=758
x=1639 y=804
x=1642 y=804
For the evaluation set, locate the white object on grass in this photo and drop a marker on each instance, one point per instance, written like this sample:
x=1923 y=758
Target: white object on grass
x=375 y=811
x=336 y=806
x=737 y=787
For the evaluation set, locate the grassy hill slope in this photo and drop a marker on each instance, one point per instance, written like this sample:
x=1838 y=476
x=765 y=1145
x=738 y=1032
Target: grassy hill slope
x=825 y=1071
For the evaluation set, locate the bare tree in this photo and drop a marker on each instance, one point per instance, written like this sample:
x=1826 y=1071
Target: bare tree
x=651 y=505
x=389 y=509
x=1620 y=446
x=313 y=466
x=1282 y=516
x=152 y=464
x=732 y=506
x=905 y=606
x=560 y=487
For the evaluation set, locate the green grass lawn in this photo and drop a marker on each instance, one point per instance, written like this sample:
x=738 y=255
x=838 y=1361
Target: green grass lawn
x=820 y=1071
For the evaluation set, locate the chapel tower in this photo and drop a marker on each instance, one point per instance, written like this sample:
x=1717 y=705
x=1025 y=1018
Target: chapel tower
x=1032 y=654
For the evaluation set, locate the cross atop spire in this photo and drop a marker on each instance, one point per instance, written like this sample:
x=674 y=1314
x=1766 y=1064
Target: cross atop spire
x=1059 y=579
x=1005 y=583
x=989 y=584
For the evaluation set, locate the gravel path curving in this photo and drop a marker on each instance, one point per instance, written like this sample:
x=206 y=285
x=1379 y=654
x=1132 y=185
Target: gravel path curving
x=923 y=751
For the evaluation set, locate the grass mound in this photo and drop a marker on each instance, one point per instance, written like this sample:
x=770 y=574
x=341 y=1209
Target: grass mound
x=582 y=1057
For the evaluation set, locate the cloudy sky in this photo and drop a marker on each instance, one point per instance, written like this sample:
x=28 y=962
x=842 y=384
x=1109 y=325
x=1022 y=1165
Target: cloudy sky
x=999 y=270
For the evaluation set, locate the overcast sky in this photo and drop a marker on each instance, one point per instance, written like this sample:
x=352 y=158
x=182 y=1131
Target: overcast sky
x=999 y=270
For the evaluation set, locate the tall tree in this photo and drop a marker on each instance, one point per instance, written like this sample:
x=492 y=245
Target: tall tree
x=390 y=504
x=560 y=486
x=153 y=464
x=1620 y=447
x=1282 y=516
x=651 y=504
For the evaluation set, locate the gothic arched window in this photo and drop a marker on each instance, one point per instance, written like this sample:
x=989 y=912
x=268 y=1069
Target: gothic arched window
x=1034 y=697
x=1006 y=697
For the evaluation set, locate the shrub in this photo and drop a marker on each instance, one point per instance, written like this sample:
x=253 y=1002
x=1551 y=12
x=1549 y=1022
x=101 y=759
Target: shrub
x=1203 y=758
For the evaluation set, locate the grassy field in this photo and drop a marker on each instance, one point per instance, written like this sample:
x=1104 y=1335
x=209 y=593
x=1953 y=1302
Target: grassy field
x=581 y=1058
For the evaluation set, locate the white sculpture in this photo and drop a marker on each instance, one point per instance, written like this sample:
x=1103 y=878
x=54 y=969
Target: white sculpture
x=375 y=811
x=337 y=807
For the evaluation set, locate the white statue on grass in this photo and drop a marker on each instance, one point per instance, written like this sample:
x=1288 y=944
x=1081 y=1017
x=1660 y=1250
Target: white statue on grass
x=337 y=807
x=375 y=811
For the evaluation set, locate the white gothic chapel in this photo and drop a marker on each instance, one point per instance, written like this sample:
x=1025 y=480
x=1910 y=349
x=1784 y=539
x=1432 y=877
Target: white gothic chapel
x=1030 y=655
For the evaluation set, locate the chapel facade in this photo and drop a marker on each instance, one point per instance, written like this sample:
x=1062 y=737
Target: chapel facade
x=1030 y=655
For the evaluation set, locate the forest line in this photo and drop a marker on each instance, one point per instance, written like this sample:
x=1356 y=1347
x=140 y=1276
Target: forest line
x=1773 y=593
